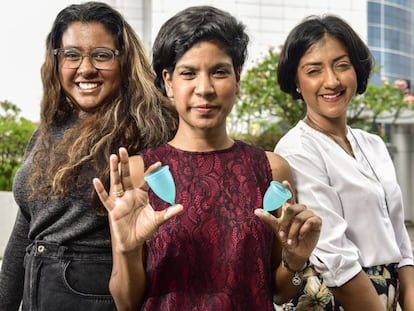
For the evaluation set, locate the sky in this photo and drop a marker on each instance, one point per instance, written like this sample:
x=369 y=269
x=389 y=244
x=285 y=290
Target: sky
x=24 y=26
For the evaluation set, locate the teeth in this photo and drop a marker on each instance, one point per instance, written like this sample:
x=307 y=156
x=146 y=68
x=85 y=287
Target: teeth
x=88 y=86
x=330 y=96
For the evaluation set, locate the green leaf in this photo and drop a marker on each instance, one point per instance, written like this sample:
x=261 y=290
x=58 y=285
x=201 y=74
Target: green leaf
x=261 y=103
x=15 y=133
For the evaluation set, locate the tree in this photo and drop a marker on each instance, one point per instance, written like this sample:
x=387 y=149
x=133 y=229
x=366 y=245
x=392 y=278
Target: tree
x=365 y=110
x=264 y=113
x=15 y=133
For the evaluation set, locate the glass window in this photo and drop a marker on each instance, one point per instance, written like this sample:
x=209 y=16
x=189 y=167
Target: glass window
x=374 y=36
x=397 y=40
x=396 y=17
x=377 y=57
x=406 y=3
x=397 y=64
x=374 y=13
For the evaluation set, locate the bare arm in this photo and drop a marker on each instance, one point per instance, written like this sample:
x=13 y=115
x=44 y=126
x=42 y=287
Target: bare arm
x=297 y=231
x=406 y=275
x=127 y=284
x=132 y=221
x=358 y=294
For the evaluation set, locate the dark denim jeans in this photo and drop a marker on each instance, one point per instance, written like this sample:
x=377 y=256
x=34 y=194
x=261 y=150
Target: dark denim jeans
x=66 y=278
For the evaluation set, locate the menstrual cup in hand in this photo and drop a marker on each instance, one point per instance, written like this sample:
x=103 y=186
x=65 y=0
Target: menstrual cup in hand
x=162 y=183
x=275 y=196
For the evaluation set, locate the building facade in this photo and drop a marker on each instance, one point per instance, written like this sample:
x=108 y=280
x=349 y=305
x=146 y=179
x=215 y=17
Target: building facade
x=390 y=38
x=386 y=25
x=267 y=21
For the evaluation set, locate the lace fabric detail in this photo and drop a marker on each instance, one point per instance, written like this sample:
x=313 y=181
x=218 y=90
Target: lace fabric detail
x=217 y=254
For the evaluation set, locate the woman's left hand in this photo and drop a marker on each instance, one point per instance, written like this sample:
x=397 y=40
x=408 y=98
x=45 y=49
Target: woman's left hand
x=298 y=229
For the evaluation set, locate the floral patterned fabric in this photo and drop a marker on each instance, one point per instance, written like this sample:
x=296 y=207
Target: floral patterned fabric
x=217 y=254
x=315 y=296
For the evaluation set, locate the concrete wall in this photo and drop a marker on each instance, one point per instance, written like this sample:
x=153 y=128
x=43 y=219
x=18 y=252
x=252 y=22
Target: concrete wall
x=8 y=210
x=403 y=156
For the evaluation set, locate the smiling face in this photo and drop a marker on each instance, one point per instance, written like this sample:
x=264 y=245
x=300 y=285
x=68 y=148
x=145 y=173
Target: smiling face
x=204 y=87
x=86 y=86
x=326 y=79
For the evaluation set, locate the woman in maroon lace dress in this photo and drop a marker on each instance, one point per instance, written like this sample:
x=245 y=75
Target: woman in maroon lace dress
x=217 y=249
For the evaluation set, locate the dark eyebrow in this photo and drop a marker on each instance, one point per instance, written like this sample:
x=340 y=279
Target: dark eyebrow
x=319 y=63
x=218 y=65
x=184 y=67
x=70 y=48
x=223 y=64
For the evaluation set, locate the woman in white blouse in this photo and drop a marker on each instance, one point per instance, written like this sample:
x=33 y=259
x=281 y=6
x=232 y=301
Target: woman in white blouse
x=363 y=260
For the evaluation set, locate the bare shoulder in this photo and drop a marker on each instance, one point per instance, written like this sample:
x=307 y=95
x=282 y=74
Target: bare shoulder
x=280 y=167
x=277 y=161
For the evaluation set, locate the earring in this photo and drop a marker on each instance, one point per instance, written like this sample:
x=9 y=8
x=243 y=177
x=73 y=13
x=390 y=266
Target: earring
x=172 y=100
x=298 y=90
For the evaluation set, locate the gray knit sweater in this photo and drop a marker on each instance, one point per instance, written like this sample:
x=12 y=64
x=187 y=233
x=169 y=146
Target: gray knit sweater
x=68 y=221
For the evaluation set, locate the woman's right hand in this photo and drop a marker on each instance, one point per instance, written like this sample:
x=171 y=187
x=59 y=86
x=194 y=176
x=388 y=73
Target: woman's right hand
x=131 y=217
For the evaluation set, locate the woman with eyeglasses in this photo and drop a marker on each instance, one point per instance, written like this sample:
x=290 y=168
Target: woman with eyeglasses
x=99 y=94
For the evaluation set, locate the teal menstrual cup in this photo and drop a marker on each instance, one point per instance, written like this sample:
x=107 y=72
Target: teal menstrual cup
x=275 y=196
x=162 y=183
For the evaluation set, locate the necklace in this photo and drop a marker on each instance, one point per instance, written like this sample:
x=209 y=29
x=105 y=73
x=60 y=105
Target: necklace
x=343 y=143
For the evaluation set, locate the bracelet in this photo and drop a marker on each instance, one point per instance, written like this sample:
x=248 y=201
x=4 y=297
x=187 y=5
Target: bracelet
x=296 y=280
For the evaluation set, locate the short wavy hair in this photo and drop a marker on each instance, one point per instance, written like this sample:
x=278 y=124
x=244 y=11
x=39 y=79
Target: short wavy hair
x=310 y=31
x=192 y=25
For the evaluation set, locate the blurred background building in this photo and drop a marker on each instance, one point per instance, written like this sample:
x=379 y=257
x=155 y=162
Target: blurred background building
x=386 y=25
x=391 y=38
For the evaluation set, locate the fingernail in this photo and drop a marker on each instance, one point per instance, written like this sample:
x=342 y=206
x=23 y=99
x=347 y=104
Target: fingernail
x=282 y=234
x=289 y=242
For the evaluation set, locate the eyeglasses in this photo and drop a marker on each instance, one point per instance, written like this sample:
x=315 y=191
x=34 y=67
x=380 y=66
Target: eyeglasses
x=101 y=58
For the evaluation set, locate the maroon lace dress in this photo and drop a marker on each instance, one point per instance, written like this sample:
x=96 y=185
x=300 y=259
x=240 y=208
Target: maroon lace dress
x=217 y=254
